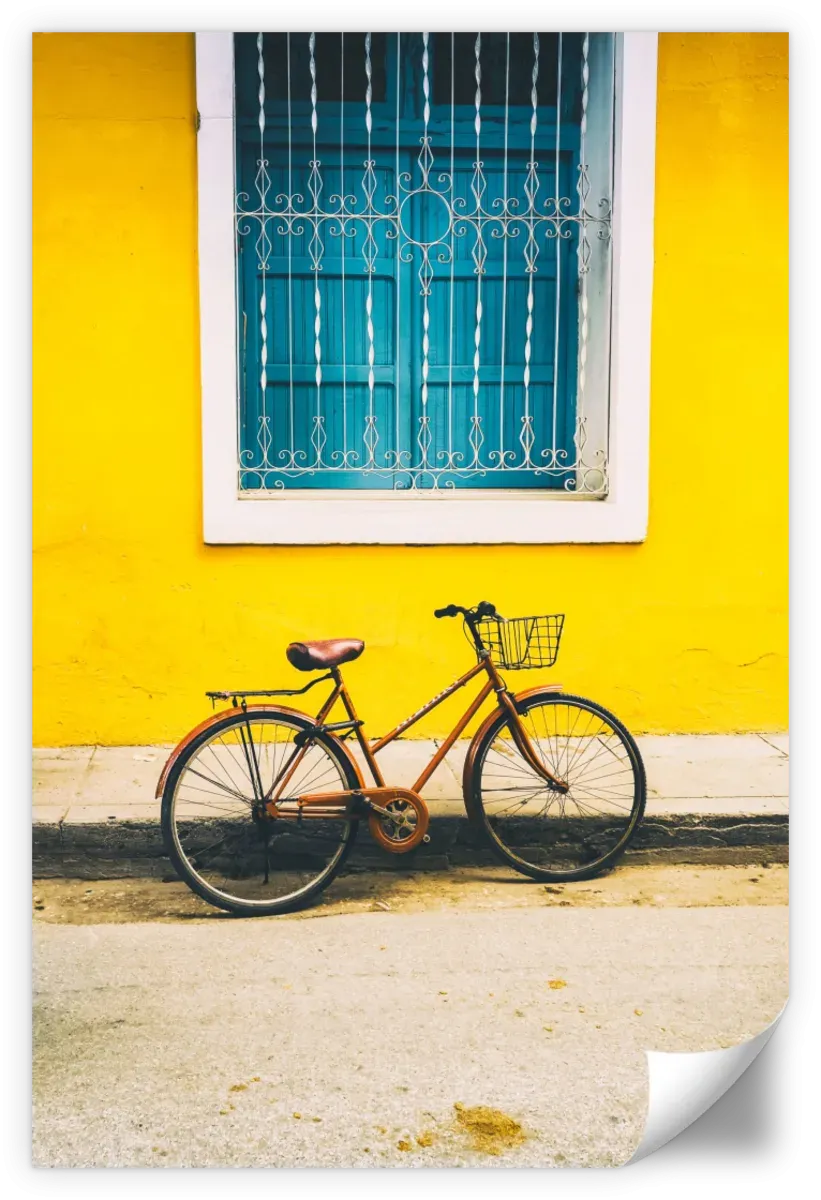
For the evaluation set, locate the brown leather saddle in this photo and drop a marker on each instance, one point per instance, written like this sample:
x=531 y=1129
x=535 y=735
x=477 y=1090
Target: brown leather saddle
x=320 y=656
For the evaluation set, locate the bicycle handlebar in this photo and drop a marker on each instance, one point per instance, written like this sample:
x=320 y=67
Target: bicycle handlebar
x=450 y=611
x=483 y=609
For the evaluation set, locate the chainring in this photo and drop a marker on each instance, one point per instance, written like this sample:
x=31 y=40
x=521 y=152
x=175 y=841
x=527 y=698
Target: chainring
x=407 y=826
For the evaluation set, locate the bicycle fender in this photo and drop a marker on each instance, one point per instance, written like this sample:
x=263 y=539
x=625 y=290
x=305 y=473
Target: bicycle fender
x=232 y=712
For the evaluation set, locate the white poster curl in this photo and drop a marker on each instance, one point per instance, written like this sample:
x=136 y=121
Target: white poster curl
x=684 y=1086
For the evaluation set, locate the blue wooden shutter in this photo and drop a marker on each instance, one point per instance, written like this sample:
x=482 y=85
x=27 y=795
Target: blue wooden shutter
x=334 y=311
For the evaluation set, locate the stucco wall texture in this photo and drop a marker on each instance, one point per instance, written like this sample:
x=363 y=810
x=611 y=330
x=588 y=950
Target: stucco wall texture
x=135 y=617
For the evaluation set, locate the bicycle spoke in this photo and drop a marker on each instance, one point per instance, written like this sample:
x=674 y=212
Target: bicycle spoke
x=551 y=831
x=229 y=791
x=230 y=753
x=236 y=850
x=313 y=781
x=215 y=808
x=201 y=853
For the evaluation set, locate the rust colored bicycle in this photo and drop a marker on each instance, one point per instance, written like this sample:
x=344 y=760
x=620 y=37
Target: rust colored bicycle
x=261 y=803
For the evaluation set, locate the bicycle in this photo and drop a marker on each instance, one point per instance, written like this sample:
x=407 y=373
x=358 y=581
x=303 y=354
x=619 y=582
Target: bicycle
x=261 y=803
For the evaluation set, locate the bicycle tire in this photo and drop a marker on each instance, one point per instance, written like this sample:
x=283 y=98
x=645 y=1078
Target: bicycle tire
x=215 y=896
x=477 y=805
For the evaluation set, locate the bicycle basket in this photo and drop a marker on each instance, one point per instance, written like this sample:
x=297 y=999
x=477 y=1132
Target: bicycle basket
x=522 y=641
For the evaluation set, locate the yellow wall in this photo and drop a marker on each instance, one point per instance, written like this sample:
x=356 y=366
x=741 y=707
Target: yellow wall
x=135 y=617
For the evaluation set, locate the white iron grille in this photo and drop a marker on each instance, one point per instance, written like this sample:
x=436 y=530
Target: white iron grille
x=461 y=443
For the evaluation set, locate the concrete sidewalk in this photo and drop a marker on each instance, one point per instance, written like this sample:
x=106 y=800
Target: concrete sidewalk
x=704 y=791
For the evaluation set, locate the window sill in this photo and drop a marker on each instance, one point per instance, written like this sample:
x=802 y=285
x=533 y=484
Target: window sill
x=425 y=518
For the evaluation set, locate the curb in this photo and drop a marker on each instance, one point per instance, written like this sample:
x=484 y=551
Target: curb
x=123 y=849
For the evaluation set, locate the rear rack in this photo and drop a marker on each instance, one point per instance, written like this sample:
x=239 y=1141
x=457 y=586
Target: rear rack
x=242 y=694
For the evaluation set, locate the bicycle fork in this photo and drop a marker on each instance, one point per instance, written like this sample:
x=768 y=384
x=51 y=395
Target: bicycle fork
x=525 y=747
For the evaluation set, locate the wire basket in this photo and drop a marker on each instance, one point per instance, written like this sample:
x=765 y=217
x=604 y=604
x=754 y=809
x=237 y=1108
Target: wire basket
x=522 y=641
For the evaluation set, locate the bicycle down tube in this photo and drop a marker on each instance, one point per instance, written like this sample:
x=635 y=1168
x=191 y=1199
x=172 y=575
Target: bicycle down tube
x=369 y=751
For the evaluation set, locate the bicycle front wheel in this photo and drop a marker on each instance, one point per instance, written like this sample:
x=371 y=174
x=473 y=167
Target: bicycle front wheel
x=543 y=833
x=215 y=834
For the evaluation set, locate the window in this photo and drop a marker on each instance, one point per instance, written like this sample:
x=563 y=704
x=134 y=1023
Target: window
x=427 y=285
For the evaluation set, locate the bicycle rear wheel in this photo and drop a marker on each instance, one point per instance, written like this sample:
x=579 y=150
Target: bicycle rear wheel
x=215 y=835
x=543 y=833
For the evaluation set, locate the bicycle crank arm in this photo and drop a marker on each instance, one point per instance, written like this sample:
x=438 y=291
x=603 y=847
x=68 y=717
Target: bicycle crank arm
x=374 y=808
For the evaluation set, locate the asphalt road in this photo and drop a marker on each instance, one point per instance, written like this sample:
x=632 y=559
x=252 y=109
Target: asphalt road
x=350 y=1040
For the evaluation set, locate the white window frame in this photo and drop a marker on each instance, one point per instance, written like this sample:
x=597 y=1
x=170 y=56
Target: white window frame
x=430 y=517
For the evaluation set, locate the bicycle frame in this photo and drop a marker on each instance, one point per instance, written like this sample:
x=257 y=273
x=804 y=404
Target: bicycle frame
x=494 y=683
x=237 y=789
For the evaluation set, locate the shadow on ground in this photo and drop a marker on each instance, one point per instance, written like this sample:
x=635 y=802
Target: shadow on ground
x=89 y=902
